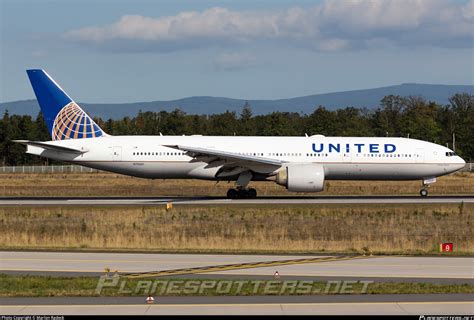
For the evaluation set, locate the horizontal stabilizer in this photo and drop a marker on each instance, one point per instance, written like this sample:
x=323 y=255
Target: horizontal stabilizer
x=49 y=146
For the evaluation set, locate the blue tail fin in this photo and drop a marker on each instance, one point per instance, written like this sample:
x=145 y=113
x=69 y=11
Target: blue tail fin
x=64 y=118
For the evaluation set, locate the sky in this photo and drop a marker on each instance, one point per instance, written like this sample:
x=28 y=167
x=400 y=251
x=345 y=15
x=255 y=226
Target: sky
x=109 y=51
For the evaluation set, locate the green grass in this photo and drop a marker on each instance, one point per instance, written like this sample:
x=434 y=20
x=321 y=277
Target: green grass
x=45 y=286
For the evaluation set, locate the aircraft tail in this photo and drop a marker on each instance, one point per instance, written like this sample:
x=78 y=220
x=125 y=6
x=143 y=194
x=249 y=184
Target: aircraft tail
x=63 y=117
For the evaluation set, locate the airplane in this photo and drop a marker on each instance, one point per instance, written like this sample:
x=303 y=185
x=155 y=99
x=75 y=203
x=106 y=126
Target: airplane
x=301 y=164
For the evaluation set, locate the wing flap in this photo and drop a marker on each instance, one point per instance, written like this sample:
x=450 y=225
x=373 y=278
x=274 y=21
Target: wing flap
x=233 y=157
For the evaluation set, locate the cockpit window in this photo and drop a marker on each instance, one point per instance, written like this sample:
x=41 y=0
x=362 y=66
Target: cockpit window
x=451 y=154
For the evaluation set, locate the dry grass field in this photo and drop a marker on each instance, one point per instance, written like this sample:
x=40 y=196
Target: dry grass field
x=260 y=228
x=109 y=184
x=411 y=229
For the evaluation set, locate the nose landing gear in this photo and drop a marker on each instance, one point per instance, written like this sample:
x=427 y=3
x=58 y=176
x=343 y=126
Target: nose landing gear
x=426 y=185
x=424 y=192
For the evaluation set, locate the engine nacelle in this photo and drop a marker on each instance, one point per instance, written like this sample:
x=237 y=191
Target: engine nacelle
x=302 y=177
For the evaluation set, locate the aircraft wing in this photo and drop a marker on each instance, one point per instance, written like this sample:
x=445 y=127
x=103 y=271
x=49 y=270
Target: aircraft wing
x=48 y=146
x=231 y=157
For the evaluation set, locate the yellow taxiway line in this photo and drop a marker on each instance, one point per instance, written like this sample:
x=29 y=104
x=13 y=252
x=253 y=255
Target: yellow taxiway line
x=238 y=266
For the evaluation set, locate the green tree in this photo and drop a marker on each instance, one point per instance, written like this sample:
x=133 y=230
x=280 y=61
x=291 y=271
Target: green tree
x=175 y=123
x=387 y=119
x=322 y=121
x=41 y=130
x=462 y=105
x=420 y=120
x=351 y=122
x=223 y=124
x=275 y=124
x=247 y=126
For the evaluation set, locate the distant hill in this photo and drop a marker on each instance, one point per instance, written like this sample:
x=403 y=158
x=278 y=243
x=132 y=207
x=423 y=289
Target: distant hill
x=369 y=98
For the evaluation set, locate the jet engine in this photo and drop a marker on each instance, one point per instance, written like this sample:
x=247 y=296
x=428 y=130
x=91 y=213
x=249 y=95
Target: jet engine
x=302 y=177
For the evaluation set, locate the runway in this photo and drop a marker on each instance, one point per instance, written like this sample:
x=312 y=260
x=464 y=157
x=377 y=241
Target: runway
x=459 y=304
x=151 y=201
x=387 y=267
x=323 y=268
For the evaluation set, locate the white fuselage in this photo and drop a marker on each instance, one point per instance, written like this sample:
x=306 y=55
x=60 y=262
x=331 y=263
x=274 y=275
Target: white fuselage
x=343 y=158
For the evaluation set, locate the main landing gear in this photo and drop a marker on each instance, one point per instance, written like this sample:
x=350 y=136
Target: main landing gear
x=242 y=193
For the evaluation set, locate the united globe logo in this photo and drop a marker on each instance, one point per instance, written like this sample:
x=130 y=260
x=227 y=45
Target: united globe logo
x=73 y=123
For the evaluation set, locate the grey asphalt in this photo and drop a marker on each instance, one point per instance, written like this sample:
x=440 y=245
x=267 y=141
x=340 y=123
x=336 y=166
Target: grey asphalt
x=141 y=201
x=376 y=267
x=333 y=298
x=382 y=268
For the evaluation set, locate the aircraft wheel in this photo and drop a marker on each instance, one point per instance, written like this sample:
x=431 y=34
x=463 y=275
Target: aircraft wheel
x=232 y=194
x=243 y=193
x=252 y=193
x=424 y=192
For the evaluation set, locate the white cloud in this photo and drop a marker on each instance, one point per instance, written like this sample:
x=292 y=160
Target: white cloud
x=331 y=26
x=468 y=10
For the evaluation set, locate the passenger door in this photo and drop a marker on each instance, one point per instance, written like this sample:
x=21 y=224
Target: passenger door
x=117 y=153
x=420 y=155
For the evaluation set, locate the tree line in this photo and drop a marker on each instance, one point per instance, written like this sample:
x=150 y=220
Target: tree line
x=396 y=116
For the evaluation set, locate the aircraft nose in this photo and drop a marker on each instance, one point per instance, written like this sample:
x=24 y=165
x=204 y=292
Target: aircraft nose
x=461 y=162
